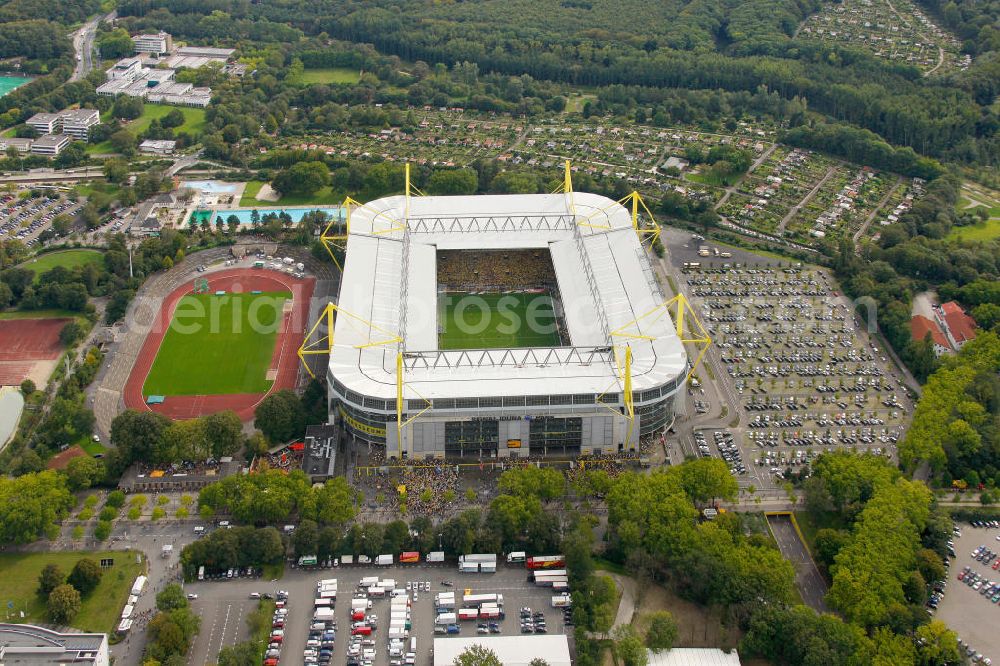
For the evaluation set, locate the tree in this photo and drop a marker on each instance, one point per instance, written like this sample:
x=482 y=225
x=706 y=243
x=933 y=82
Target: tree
x=83 y=472
x=628 y=646
x=123 y=142
x=302 y=178
x=63 y=604
x=50 y=578
x=32 y=504
x=27 y=387
x=453 y=181
x=115 y=170
x=85 y=576
x=103 y=530
x=477 y=655
x=127 y=108
x=171 y=598
x=936 y=644
x=706 y=479
x=662 y=631
x=306 y=538
x=224 y=432
x=70 y=333
x=280 y=416
x=334 y=502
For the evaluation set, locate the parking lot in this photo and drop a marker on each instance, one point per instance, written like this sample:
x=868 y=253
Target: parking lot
x=969 y=613
x=26 y=218
x=224 y=605
x=801 y=373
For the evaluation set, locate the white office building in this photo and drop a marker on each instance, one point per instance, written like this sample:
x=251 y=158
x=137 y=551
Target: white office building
x=77 y=122
x=157 y=44
x=45 y=123
x=50 y=144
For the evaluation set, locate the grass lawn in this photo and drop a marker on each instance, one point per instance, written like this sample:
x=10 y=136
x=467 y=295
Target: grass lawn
x=984 y=231
x=91 y=447
x=217 y=345
x=194 y=122
x=340 y=75
x=38 y=314
x=64 y=258
x=323 y=197
x=492 y=321
x=100 y=610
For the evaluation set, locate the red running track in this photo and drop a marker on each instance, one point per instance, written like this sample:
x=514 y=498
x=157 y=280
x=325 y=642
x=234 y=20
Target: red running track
x=286 y=345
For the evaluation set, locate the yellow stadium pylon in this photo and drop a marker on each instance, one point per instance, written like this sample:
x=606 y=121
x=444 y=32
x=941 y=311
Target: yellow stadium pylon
x=679 y=308
x=324 y=344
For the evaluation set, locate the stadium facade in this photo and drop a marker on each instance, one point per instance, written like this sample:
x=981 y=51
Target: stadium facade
x=395 y=377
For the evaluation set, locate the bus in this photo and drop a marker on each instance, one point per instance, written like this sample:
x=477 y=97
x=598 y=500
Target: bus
x=546 y=562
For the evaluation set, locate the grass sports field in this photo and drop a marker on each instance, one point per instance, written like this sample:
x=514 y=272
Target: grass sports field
x=99 y=611
x=493 y=321
x=218 y=345
x=65 y=258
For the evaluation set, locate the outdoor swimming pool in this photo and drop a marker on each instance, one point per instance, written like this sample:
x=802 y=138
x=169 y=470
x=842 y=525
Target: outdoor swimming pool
x=245 y=215
x=8 y=83
x=211 y=186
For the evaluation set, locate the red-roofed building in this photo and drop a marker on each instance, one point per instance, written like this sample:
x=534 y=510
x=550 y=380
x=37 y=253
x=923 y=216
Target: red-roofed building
x=958 y=326
x=920 y=326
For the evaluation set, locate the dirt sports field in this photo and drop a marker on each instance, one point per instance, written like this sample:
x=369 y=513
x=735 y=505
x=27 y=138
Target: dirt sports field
x=29 y=348
x=284 y=361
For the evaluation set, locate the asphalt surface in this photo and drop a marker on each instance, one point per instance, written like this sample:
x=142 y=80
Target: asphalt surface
x=83 y=44
x=966 y=612
x=811 y=585
x=224 y=605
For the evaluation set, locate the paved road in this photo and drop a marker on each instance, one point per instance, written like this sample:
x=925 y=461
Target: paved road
x=83 y=44
x=811 y=585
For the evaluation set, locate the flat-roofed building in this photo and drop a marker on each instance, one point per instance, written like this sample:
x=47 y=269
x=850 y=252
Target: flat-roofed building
x=157 y=44
x=158 y=146
x=126 y=68
x=50 y=144
x=37 y=646
x=510 y=650
x=44 y=123
x=22 y=145
x=77 y=122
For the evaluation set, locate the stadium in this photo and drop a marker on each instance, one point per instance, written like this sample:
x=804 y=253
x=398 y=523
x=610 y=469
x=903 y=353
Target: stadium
x=499 y=326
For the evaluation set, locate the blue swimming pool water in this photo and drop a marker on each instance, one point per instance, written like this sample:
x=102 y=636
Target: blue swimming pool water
x=244 y=214
x=8 y=83
x=211 y=186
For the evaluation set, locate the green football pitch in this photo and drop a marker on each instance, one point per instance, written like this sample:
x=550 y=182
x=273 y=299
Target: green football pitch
x=496 y=321
x=217 y=345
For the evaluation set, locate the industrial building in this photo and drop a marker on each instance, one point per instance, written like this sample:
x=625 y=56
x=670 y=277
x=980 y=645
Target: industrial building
x=130 y=77
x=609 y=378
x=30 y=645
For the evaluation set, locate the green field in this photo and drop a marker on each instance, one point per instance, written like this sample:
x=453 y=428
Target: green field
x=194 y=122
x=100 y=610
x=335 y=75
x=495 y=321
x=65 y=258
x=217 y=345
x=984 y=231
x=323 y=197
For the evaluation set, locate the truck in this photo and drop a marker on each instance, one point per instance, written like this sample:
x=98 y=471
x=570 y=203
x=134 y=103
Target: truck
x=327 y=594
x=445 y=600
x=468 y=614
x=360 y=604
x=562 y=601
x=388 y=584
x=434 y=557
x=517 y=556
x=546 y=562
x=480 y=599
x=307 y=561
x=383 y=561
x=322 y=614
x=323 y=603
x=397 y=632
x=201 y=572
x=368 y=581
x=446 y=618
x=487 y=567
x=347 y=559
x=138 y=585
x=550 y=582
x=491 y=612
x=546 y=573
x=468 y=567
x=409 y=557
x=376 y=591
x=480 y=557
x=166 y=550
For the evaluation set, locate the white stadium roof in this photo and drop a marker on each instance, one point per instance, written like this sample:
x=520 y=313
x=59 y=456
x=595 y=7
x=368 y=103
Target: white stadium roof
x=605 y=283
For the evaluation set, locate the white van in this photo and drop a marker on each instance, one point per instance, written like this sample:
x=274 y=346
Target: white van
x=413 y=644
x=199 y=529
